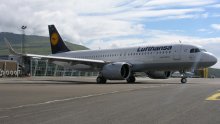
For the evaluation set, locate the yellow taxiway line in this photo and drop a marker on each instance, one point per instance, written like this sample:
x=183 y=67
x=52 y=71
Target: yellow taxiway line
x=213 y=97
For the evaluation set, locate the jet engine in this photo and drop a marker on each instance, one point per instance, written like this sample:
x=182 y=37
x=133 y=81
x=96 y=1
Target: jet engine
x=116 y=71
x=158 y=74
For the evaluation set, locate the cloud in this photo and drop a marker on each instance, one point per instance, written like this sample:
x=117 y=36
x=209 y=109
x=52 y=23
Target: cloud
x=202 y=30
x=215 y=6
x=80 y=21
x=158 y=14
x=215 y=26
x=110 y=23
x=37 y=14
x=179 y=3
x=152 y=37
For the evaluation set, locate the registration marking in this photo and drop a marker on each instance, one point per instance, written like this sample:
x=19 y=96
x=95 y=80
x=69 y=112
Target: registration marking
x=214 y=97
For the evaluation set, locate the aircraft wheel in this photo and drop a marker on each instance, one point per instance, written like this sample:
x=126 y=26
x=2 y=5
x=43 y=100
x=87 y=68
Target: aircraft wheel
x=100 y=80
x=131 y=79
x=183 y=80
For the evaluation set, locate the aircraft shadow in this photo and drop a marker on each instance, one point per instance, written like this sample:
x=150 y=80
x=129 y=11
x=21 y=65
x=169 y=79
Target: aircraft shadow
x=72 y=82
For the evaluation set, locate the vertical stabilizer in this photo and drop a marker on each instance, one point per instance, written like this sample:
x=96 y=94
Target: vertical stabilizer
x=56 y=42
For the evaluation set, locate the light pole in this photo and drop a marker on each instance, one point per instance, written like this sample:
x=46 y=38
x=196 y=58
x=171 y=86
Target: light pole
x=23 y=38
x=23 y=49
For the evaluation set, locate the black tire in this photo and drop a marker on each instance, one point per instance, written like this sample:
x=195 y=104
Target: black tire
x=183 y=80
x=100 y=80
x=131 y=79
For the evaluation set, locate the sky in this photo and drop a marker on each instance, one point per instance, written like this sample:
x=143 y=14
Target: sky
x=101 y=24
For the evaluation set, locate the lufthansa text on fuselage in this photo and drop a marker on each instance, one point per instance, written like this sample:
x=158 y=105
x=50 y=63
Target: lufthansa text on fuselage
x=143 y=49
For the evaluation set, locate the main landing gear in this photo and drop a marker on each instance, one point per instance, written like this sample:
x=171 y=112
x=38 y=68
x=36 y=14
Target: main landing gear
x=183 y=77
x=131 y=79
x=101 y=80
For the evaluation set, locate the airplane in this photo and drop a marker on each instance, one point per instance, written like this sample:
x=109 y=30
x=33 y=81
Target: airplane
x=157 y=61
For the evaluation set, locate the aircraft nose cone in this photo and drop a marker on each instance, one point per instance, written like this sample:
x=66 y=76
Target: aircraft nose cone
x=215 y=60
x=209 y=59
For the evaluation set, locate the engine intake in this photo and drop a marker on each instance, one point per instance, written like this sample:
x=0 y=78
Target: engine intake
x=116 y=71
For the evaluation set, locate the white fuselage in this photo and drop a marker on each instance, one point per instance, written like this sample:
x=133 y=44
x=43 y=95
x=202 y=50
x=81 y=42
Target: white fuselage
x=146 y=58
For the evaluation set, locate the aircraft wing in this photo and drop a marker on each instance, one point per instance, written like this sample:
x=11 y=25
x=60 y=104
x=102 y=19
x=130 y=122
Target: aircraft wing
x=72 y=61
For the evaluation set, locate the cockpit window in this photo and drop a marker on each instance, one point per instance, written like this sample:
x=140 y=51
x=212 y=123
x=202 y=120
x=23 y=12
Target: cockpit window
x=192 y=51
x=195 y=50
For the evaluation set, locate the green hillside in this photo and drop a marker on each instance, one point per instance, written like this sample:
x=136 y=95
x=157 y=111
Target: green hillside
x=33 y=44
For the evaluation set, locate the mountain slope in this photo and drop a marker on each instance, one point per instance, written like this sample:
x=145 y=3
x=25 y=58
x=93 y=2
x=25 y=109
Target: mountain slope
x=33 y=44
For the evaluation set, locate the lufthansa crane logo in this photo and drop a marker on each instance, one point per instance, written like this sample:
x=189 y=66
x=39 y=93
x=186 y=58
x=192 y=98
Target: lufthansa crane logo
x=54 y=39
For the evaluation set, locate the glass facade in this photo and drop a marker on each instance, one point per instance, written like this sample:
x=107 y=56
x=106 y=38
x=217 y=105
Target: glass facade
x=45 y=68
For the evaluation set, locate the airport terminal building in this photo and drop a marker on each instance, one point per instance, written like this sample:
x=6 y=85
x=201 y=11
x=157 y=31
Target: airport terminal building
x=45 y=68
x=9 y=67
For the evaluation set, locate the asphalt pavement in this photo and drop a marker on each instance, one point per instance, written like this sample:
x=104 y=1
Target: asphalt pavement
x=55 y=100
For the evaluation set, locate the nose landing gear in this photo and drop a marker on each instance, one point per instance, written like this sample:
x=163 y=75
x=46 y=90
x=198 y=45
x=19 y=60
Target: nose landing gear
x=183 y=77
x=183 y=80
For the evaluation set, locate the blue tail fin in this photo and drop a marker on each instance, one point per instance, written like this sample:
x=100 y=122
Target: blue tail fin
x=56 y=42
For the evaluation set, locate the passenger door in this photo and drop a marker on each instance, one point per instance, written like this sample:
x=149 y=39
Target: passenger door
x=177 y=52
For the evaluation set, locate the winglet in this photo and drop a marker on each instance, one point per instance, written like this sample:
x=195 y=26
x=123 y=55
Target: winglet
x=11 y=50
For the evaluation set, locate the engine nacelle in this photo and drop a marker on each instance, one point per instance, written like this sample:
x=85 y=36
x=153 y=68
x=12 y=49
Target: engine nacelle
x=159 y=74
x=116 y=71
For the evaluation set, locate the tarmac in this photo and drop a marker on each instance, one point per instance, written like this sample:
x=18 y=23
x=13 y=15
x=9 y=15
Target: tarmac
x=71 y=100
